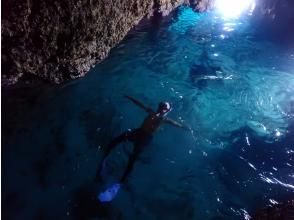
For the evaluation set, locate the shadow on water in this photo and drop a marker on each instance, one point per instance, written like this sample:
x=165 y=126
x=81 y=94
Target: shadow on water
x=17 y=103
x=203 y=71
x=86 y=206
x=94 y=124
x=12 y=204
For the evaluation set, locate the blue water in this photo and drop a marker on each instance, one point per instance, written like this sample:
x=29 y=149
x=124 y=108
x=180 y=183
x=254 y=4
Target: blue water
x=232 y=87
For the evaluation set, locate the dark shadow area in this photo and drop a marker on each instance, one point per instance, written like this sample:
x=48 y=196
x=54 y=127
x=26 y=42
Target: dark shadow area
x=86 y=206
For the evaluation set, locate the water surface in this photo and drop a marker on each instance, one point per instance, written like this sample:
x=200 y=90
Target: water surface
x=233 y=88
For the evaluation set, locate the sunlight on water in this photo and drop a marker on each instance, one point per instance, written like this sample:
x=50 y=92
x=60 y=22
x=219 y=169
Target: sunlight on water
x=233 y=8
x=245 y=94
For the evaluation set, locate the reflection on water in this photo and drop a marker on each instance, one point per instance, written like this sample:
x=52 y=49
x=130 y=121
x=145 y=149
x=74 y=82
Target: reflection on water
x=234 y=9
x=235 y=92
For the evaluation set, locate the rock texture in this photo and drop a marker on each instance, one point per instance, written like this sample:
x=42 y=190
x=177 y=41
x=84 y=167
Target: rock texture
x=202 y=5
x=164 y=7
x=60 y=40
x=275 y=19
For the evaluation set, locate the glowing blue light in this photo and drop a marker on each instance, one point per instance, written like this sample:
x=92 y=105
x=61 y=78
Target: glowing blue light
x=234 y=8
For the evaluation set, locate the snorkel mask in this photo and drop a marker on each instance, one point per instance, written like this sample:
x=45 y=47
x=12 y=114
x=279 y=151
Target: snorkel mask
x=164 y=108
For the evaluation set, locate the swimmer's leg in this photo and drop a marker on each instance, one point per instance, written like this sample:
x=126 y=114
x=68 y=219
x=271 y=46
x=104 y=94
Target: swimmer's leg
x=123 y=137
x=109 y=194
x=131 y=162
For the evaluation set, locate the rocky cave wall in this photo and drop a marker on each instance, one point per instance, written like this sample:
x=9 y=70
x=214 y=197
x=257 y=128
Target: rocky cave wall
x=58 y=40
x=275 y=19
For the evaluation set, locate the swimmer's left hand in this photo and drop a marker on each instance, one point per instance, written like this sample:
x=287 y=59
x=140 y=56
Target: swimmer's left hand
x=186 y=128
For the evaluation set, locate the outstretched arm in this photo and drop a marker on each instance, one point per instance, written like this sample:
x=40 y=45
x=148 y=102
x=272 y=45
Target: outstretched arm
x=175 y=123
x=140 y=104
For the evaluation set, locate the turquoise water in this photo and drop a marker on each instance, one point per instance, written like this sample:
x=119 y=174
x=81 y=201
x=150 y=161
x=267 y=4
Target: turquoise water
x=233 y=88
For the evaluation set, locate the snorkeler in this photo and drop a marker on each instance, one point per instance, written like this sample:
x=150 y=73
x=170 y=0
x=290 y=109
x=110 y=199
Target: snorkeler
x=140 y=137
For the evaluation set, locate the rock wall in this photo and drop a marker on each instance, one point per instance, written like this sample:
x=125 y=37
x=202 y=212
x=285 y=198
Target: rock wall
x=202 y=5
x=164 y=7
x=275 y=19
x=61 y=40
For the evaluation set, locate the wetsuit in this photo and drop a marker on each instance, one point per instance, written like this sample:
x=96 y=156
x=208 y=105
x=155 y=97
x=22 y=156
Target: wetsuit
x=140 y=137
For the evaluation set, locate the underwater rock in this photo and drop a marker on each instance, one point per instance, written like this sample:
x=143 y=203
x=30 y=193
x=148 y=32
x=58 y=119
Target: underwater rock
x=201 y=74
x=205 y=70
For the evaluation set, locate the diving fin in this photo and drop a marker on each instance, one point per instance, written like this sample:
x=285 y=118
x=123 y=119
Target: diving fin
x=109 y=194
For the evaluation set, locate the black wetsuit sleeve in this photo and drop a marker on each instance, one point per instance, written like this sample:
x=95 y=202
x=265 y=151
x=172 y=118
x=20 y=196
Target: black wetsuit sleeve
x=140 y=104
x=175 y=123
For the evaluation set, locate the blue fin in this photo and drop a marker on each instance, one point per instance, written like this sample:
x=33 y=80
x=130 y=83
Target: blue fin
x=109 y=193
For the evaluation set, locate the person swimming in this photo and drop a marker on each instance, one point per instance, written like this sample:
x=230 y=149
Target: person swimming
x=140 y=137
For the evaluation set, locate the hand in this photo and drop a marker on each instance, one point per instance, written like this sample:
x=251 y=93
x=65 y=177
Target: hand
x=186 y=128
